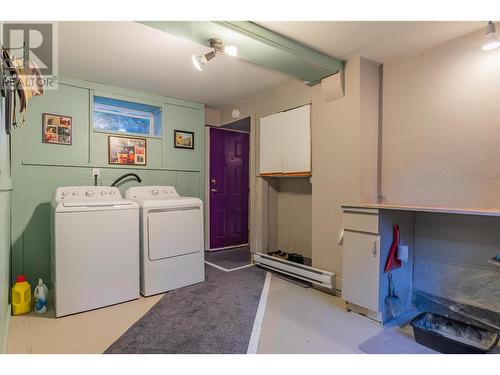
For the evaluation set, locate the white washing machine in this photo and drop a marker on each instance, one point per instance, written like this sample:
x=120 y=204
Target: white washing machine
x=172 y=247
x=95 y=248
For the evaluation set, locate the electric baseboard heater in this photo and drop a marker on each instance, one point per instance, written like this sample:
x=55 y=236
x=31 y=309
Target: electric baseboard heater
x=300 y=271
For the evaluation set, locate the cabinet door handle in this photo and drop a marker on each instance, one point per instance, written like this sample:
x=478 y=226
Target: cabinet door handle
x=374 y=248
x=340 y=237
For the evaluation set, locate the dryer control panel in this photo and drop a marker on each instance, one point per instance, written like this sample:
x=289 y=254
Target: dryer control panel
x=88 y=193
x=151 y=192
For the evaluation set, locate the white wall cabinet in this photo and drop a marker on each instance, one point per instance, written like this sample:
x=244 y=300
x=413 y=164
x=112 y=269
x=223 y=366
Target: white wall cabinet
x=285 y=142
x=271 y=145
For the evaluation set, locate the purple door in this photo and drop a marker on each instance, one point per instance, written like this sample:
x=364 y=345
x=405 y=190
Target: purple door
x=228 y=188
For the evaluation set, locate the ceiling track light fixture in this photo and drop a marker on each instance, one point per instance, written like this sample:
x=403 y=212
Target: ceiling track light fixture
x=491 y=39
x=217 y=45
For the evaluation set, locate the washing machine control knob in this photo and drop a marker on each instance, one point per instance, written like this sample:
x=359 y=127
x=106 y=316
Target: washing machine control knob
x=112 y=192
x=89 y=193
x=103 y=192
x=75 y=193
x=154 y=192
x=64 y=193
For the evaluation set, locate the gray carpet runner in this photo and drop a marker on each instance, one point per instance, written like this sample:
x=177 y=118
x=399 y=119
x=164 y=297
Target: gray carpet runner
x=212 y=317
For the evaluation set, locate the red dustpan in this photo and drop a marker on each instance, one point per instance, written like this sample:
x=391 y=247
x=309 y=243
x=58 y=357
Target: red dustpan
x=392 y=261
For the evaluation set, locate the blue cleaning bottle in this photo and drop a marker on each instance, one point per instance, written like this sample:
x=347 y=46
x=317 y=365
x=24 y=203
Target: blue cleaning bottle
x=41 y=294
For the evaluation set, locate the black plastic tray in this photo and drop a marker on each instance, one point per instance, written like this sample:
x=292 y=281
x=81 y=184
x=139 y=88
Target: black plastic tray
x=444 y=344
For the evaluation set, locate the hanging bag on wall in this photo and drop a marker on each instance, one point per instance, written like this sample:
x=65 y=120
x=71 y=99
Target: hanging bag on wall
x=22 y=78
x=9 y=84
x=7 y=72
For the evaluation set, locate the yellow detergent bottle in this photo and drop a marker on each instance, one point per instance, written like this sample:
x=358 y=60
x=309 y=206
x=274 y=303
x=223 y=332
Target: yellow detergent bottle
x=21 y=296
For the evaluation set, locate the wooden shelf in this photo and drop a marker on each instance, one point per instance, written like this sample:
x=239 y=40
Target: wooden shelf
x=444 y=210
x=291 y=174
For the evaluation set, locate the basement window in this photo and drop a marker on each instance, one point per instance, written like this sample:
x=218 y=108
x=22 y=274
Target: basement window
x=113 y=115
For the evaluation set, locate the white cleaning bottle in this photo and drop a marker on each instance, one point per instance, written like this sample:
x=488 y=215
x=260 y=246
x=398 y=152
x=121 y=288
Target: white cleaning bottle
x=41 y=293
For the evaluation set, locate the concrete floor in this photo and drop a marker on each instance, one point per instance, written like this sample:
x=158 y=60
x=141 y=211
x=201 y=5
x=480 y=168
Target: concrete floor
x=305 y=320
x=296 y=320
x=85 y=333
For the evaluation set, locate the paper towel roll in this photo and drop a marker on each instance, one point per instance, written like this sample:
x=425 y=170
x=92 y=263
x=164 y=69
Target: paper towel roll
x=333 y=86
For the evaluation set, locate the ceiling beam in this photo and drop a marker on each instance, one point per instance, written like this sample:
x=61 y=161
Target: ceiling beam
x=258 y=45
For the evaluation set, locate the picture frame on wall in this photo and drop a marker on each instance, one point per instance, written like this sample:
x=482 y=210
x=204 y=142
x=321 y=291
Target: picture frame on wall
x=127 y=150
x=57 y=129
x=184 y=139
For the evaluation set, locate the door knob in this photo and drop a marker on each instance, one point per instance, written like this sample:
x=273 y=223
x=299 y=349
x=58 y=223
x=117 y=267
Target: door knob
x=213 y=190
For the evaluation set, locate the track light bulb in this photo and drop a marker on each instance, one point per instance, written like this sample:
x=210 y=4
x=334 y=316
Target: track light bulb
x=491 y=39
x=231 y=50
x=198 y=62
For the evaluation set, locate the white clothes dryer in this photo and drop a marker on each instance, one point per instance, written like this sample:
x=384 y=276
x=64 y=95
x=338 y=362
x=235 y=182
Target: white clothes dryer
x=171 y=238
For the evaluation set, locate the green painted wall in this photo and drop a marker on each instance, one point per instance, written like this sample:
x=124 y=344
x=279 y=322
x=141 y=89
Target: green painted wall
x=4 y=262
x=39 y=168
x=5 y=188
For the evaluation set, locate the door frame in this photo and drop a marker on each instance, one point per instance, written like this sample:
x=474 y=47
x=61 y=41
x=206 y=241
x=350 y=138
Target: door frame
x=207 y=183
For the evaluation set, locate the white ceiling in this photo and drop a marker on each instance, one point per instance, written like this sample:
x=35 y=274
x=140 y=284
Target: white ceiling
x=381 y=41
x=135 y=56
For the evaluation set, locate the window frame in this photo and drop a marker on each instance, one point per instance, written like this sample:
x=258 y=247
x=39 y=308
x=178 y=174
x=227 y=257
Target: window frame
x=125 y=111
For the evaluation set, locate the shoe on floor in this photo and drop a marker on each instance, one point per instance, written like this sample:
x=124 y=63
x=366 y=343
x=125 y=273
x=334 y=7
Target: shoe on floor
x=280 y=254
x=274 y=253
x=296 y=258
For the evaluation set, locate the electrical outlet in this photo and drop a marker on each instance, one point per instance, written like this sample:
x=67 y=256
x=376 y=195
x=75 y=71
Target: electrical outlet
x=96 y=171
x=403 y=253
